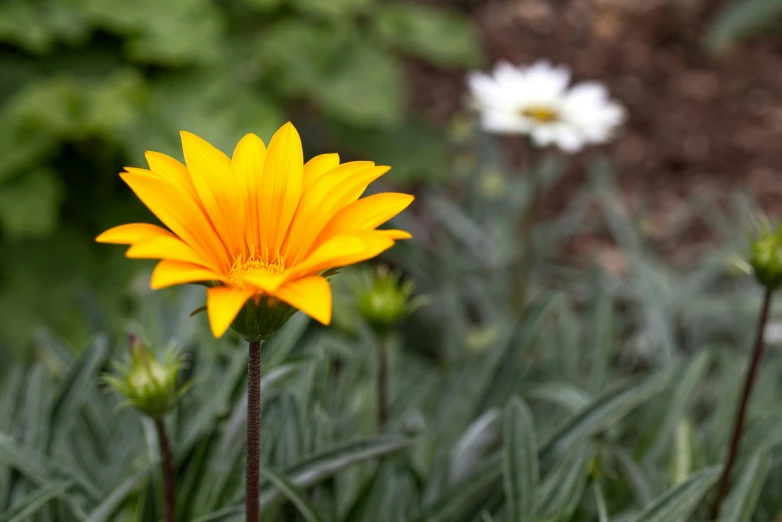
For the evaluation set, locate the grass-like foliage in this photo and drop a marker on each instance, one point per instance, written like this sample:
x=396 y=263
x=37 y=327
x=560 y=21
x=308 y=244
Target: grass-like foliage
x=609 y=398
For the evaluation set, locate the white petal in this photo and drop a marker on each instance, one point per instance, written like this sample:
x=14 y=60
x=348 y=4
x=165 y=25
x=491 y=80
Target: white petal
x=544 y=135
x=569 y=140
x=503 y=122
x=587 y=93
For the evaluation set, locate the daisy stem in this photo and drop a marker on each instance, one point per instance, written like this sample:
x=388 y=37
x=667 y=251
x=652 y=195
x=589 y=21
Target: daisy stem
x=253 y=463
x=168 y=469
x=738 y=425
x=382 y=383
x=525 y=228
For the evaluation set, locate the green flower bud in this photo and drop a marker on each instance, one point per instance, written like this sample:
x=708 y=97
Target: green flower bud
x=766 y=256
x=386 y=302
x=259 y=321
x=147 y=384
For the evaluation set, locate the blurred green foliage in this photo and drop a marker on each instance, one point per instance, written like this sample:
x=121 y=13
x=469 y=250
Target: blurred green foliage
x=740 y=20
x=86 y=86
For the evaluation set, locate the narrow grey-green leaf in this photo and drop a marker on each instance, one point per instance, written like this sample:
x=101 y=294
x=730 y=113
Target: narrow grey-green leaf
x=681 y=396
x=563 y=487
x=676 y=504
x=605 y=410
x=26 y=462
x=741 y=502
x=603 y=341
x=294 y=494
x=520 y=461
x=107 y=508
x=24 y=509
x=35 y=409
x=325 y=464
x=231 y=514
x=35 y=467
x=464 y=496
x=76 y=386
x=600 y=502
x=472 y=446
x=565 y=394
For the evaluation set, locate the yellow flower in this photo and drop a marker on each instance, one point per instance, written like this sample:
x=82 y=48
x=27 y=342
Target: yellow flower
x=260 y=224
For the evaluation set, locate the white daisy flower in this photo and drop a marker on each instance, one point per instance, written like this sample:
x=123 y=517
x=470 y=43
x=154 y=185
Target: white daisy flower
x=536 y=101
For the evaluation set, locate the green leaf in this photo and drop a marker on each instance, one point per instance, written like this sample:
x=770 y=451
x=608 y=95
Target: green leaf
x=336 y=9
x=28 y=463
x=187 y=31
x=35 y=409
x=604 y=411
x=682 y=452
x=740 y=503
x=75 y=388
x=365 y=88
x=603 y=319
x=679 y=502
x=30 y=206
x=294 y=494
x=37 y=27
x=327 y=463
x=39 y=470
x=265 y=6
x=465 y=496
x=416 y=151
x=680 y=398
x=114 y=500
x=563 y=487
x=564 y=394
x=24 y=509
x=504 y=364
x=350 y=79
x=231 y=514
x=740 y=20
x=441 y=36
x=600 y=502
x=520 y=461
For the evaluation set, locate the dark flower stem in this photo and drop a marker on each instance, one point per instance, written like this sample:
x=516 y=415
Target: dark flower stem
x=253 y=464
x=168 y=470
x=738 y=425
x=382 y=383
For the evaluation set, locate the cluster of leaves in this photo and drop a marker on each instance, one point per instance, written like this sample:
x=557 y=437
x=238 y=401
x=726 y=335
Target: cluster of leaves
x=87 y=86
x=741 y=20
x=610 y=399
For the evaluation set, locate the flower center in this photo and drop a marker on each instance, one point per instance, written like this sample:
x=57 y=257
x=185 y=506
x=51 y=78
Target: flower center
x=540 y=113
x=254 y=266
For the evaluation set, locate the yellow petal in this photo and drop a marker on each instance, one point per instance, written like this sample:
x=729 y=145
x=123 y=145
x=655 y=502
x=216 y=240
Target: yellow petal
x=171 y=248
x=365 y=214
x=342 y=251
x=173 y=171
x=311 y=295
x=210 y=170
x=132 y=233
x=395 y=234
x=264 y=282
x=280 y=188
x=170 y=273
x=247 y=168
x=179 y=213
x=319 y=204
x=317 y=167
x=223 y=304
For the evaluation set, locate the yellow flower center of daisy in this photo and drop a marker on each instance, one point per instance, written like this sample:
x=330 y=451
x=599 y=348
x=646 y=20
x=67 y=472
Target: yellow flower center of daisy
x=541 y=113
x=254 y=265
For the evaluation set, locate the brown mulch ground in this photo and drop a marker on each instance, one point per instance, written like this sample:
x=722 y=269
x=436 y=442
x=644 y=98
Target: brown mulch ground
x=700 y=126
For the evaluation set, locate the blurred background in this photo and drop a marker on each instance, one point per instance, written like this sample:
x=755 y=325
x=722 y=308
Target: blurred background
x=628 y=271
x=86 y=86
